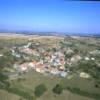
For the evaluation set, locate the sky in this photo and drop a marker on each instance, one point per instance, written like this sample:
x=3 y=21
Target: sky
x=50 y=16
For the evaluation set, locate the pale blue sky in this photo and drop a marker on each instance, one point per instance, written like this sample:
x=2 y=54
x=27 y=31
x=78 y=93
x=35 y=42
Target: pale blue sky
x=50 y=15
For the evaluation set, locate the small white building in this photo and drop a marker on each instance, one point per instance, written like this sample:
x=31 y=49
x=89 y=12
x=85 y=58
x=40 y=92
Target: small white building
x=87 y=58
x=38 y=70
x=63 y=74
x=54 y=72
x=1 y=55
x=26 y=46
x=75 y=58
x=15 y=54
x=84 y=75
x=32 y=65
x=23 y=67
x=92 y=58
x=69 y=50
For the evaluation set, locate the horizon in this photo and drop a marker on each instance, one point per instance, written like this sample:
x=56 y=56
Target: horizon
x=50 y=16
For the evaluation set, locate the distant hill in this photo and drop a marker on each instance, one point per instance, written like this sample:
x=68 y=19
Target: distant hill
x=50 y=33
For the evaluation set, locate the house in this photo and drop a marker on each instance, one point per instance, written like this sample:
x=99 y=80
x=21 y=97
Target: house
x=1 y=55
x=75 y=58
x=40 y=68
x=95 y=52
x=57 y=59
x=54 y=71
x=28 y=51
x=61 y=68
x=26 y=46
x=69 y=51
x=84 y=75
x=15 y=66
x=32 y=65
x=92 y=58
x=23 y=67
x=47 y=58
x=15 y=53
x=63 y=73
x=62 y=61
x=41 y=61
x=87 y=58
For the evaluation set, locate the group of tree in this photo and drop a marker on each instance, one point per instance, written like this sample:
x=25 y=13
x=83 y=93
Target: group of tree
x=90 y=67
x=58 y=89
x=7 y=60
x=40 y=90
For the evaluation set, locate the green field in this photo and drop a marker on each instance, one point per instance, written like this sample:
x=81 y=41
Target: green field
x=32 y=79
x=4 y=95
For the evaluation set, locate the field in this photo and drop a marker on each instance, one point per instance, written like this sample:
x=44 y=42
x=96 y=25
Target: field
x=4 y=95
x=32 y=79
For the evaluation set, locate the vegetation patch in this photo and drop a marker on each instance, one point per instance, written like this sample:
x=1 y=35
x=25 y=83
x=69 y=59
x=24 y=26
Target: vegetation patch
x=57 y=89
x=39 y=90
x=84 y=93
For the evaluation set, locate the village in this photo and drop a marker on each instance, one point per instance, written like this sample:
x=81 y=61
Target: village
x=52 y=63
x=46 y=61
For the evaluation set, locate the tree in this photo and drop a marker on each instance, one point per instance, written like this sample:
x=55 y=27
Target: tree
x=57 y=89
x=54 y=49
x=39 y=90
x=68 y=56
x=3 y=77
x=66 y=66
x=90 y=67
x=96 y=86
x=7 y=60
x=76 y=51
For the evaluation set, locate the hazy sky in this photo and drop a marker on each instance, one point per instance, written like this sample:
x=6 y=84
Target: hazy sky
x=50 y=15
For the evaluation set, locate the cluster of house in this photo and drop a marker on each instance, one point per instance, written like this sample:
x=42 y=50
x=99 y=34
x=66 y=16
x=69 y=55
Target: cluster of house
x=89 y=58
x=51 y=62
x=14 y=53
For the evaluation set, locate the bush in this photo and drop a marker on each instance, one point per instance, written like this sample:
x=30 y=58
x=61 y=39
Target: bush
x=58 y=89
x=3 y=77
x=39 y=90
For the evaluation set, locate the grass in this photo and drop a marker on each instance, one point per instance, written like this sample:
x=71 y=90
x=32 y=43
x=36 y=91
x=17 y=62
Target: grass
x=4 y=95
x=83 y=84
x=84 y=87
x=33 y=79
x=66 y=95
